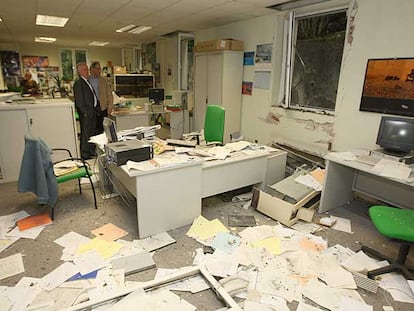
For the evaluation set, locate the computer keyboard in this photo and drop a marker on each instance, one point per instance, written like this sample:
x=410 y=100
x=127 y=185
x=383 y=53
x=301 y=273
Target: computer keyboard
x=367 y=159
x=181 y=143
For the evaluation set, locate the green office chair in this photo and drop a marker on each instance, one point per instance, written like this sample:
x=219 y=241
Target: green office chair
x=214 y=124
x=37 y=173
x=397 y=224
x=82 y=170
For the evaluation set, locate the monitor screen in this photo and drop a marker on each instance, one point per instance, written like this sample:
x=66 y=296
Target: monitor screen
x=389 y=86
x=396 y=135
x=156 y=95
x=110 y=130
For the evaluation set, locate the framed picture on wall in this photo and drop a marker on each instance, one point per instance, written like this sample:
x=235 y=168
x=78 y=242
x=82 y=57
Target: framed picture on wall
x=389 y=86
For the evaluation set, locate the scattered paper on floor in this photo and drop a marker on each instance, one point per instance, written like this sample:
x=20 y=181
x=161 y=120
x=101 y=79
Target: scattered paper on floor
x=109 y=232
x=11 y=265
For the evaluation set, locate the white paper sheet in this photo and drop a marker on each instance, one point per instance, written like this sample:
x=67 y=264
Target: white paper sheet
x=348 y=304
x=72 y=240
x=8 y=222
x=347 y=156
x=58 y=276
x=309 y=181
x=393 y=169
x=305 y=307
x=20 y=297
x=11 y=265
x=362 y=263
x=342 y=224
x=156 y=241
x=32 y=233
x=89 y=261
x=323 y=295
x=398 y=287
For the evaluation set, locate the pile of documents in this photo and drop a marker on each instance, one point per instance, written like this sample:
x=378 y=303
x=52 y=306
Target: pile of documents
x=92 y=268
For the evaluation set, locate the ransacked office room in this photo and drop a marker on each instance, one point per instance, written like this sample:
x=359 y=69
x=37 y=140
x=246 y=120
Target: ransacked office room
x=217 y=155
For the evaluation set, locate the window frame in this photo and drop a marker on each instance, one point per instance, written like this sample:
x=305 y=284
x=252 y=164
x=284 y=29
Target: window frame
x=74 y=62
x=289 y=42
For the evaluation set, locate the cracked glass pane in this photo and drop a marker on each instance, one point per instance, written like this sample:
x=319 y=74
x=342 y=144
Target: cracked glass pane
x=317 y=60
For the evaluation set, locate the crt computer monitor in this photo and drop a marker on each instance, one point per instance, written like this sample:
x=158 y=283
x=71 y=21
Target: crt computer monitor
x=110 y=130
x=396 y=135
x=156 y=95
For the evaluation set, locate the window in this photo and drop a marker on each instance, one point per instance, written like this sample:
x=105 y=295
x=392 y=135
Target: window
x=68 y=60
x=313 y=60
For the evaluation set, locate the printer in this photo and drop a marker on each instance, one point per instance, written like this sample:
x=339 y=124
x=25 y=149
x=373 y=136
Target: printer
x=135 y=150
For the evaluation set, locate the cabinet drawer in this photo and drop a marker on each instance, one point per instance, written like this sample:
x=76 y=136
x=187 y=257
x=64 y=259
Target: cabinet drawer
x=384 y=189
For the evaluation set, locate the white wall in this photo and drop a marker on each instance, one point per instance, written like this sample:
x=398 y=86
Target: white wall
x=101 y=54
x=381 y=30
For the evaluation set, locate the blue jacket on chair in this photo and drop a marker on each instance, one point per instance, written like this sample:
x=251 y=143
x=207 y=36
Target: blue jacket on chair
x=36 y=172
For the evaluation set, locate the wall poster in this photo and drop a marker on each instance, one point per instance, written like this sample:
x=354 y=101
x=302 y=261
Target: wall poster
x=35 y=61
x=263 y=58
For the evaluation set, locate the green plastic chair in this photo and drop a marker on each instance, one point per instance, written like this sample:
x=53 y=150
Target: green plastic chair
x=397 y=224
x=83 y=171
x=214 y=124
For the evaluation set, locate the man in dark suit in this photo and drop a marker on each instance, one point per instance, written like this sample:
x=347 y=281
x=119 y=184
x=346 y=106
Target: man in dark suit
x=88 y=108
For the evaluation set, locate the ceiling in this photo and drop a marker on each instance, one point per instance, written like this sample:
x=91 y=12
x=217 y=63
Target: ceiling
x=97 y=20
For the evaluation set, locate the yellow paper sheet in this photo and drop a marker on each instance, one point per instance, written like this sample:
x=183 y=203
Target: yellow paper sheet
x=104 y=248
x=204 y=229
x=272 y=245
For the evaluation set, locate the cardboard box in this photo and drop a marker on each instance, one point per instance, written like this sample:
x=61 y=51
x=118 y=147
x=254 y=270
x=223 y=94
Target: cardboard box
x=283 y=211
x=218 y=45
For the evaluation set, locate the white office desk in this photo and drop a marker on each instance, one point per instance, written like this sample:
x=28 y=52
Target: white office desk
x=342 y=178
x=170 y=197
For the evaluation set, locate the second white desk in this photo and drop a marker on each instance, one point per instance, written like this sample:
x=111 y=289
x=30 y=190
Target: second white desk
x=170 y=197
x=342 y=178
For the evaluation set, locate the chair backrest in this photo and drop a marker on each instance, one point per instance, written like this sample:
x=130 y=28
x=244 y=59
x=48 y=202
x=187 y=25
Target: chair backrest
x=214 y=124
x=36 y=172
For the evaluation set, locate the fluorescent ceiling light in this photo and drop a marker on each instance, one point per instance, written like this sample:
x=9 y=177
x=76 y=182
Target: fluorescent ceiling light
x=139 y=29
x=0 y=20
x=45 y=39
x=126 y=28
x=98 y=43
x=55 y=21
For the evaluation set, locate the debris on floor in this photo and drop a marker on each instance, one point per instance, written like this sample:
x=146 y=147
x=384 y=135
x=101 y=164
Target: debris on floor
x=258 y=267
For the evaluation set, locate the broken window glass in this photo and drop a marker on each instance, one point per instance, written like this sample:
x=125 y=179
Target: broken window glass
x=317 y=55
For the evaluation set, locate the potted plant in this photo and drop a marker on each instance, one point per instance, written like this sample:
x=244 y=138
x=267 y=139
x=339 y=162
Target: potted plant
x=59 y=86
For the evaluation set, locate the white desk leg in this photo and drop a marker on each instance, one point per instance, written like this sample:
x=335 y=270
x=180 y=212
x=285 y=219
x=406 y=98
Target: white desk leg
x=337 y=188
x=168 y=199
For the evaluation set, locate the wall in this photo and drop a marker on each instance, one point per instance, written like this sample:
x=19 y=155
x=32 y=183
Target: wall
x=380 y=31
x=100 y=54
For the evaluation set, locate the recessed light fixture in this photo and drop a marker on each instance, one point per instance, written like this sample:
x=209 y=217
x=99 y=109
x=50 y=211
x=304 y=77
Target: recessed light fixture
x=98 y=43
x=126 y=28
x=134 y=29
x=139 y=29
x=45 y=39
x=54 y=21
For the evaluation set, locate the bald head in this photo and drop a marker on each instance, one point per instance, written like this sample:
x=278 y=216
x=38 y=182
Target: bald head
x=82 y=70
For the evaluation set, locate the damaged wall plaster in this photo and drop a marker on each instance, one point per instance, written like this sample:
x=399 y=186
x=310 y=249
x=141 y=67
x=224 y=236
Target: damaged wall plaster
x=320 y=132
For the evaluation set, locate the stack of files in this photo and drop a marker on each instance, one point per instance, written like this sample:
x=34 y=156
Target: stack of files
x=141 y=132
